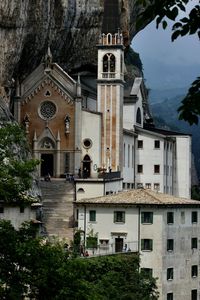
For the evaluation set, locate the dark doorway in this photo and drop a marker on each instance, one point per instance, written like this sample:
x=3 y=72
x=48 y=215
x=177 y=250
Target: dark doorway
x=86 y=166
x=46 y=164
x=118 y=245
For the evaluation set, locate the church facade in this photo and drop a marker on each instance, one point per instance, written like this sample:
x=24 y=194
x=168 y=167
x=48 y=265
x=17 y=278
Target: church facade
x=100 y=135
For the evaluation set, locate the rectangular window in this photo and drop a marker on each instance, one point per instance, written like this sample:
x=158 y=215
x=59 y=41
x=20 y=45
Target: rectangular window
x=170 y=273
x=156 y=169
x=170 y=217
x=157 y=144
x=140 y=168
x=147 y=271
x=194 y=217
x=21 y=209
x=140 y=144
x=92 y=217
x=194 y=243
x=147 y=217
x=194 y=271
x=170 y=296
x=146 y=245
x=104 y=244
x=194 y=295
x=156 y=186
x=119 y=216
x=148 y=185
x=182 y=217
x=128 y=156
x=1 y=209
x=170 y=245
x=139 y=185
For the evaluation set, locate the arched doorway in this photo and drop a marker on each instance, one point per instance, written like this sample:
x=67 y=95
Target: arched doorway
x=47 y=164
x=86 y=166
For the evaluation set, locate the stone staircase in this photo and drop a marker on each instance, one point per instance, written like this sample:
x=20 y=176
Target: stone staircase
x=57 y=198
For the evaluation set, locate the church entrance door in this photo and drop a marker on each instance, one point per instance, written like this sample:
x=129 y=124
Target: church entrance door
x=47 y=164
x=86 y=166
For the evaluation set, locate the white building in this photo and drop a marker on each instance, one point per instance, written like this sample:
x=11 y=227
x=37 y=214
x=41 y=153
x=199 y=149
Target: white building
x=164 y=229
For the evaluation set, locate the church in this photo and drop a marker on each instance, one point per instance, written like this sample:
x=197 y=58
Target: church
x=98 y=130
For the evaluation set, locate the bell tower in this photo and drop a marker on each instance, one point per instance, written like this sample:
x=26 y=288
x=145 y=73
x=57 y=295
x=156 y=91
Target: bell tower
x=110 y=85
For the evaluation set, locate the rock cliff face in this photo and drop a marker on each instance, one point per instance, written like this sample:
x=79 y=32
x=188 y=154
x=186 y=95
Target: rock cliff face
x=70 y=27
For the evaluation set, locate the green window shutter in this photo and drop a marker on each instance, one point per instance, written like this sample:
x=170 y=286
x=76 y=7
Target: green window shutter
x=142 y=217
x=150 y=244
x=142 y=244
x=123 y=216
x=115 y=216
x=93 y=215
x=151 y=217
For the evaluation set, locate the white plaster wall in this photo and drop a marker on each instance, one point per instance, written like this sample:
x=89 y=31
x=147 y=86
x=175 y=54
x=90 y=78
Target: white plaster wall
x=91 y=189
x=107 y=229
x=168 y=167
x=148 y=157
x=183 y=257
x=91 y=128
x=128 y=116
x=183 y=166
x=128 y=169
x=13 y=214
x=114 y=186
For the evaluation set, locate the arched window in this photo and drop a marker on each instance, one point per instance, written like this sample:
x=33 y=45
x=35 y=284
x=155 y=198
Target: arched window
x=86 y=166
x=109 y=63
x=109 y=38
x=138 y=116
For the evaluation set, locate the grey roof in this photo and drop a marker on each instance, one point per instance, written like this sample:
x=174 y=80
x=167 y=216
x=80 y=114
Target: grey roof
x=140 y=197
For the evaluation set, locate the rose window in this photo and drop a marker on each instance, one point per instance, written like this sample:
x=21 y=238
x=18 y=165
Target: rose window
x=47 y=110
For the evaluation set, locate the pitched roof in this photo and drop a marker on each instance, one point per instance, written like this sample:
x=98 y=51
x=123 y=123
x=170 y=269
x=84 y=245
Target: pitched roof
x=140 y=197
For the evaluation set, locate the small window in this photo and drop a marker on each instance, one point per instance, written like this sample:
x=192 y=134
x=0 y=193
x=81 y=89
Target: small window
x=194 y=271
x=194 y=217
x=1 y=209
x=157 y=144
x=194 y=243
x=140 y=168
x=92 y=217
x=170 y=296
x=119 y=217
x=156 y=186
x=128 y=185
x=147 y=272
x=140 y=144
x=170 y=245
x=80 y=190
x=194 y=295
x=138 y=116
x=170 y=217
x=148 y=185
x=147 y=217
x=139 y=185
x=104 y=244
x=156 y=169
x=146 y=245
x=87 y=143
x=182 y=217
x=21 y=209
x=170 y=273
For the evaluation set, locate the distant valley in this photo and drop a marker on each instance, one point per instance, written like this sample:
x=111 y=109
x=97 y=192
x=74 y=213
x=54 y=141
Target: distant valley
x=164 y=105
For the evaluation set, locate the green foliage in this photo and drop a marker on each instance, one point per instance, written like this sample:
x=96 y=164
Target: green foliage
x=37 y=269
x=16 y=167
x=164 y=10
x=190 y=108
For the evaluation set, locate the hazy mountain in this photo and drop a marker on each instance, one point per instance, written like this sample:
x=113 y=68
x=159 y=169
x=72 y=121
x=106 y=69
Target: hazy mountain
x=166 y=110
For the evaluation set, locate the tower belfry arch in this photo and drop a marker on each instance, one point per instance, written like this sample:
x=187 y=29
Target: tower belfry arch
x=110 y=85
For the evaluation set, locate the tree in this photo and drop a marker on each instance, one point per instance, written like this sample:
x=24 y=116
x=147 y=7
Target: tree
x=16 y=166
x=37 y=269
x=165 y=10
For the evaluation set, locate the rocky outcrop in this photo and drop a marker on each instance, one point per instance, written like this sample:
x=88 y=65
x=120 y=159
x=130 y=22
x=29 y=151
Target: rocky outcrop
x=70 y=27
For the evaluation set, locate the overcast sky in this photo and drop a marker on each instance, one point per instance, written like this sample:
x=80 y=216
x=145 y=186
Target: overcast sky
x=167 y=64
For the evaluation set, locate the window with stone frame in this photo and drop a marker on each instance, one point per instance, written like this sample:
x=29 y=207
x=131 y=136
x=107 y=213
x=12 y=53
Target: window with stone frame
x=92 y=215
x=194 y=216
x=170 y=217
x=147 y=217
x=194 y=271
x=140 y=168
x=146 y=245
x=156 y=169
x=140 y=144
x=194 y=243
x=170 y=245
x=119 y=216
x=170 y=274
x=156 y=144
x=194 y=294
